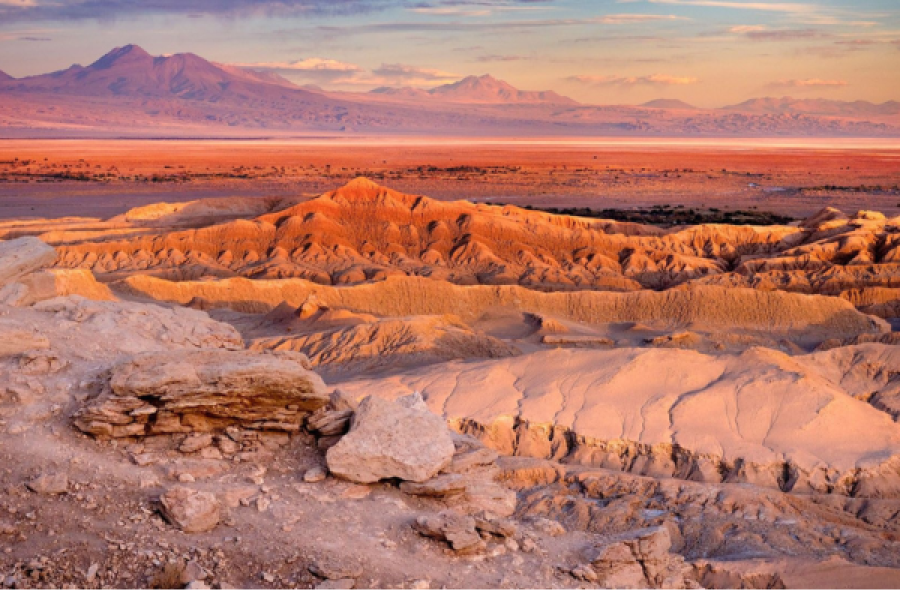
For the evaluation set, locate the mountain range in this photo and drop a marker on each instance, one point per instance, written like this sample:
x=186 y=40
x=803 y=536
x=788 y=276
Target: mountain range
x=478 y=90
x=859 y=108
x=130 y=92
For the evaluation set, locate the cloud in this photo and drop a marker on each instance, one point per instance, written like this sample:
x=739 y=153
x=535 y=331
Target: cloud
x=808 y=83
x=856 y=43
x=482 y=26
x=456 y=11
x=463 y=8
x=409 y=75
x=322 y=70
x=746 y=28
x=786 y=7
x=328 y=71
x=42 y=10
x=307 y=64
x=501 y=58
x=609 y=80
x=783 y=35
x=26 y=35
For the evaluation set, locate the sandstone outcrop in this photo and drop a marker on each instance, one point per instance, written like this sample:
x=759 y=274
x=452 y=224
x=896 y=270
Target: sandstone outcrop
x=22 y=256
x=390 y=341
x=791 y=423
x=703 y=307
x=363 y=232
x=204 y=391
x=642 y=559
x=52 y=283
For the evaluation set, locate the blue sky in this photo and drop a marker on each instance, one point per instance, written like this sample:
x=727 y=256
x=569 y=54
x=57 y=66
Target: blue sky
x=707 y=52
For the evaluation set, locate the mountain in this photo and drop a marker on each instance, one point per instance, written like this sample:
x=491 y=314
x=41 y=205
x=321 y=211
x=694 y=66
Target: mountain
x=669 y=104
x=818 y=106
x=479 y=90
x=130 y=92
x=5 y=77
x=131 y=71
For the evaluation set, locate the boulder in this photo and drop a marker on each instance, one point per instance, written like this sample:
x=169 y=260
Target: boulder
x=55 y=483
x=441 y=486
x=643 y=559
x=202 y=391
x=190 y=510
x=400 y=439
x=335 y=569
x=22 y=256
x=456 y=529
x=329 y=422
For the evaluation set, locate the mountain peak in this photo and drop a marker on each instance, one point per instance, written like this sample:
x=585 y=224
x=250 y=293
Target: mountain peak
x=669 y=103
x=5 y=77
x=488 y=89
x=129 y=53
x=486 y=78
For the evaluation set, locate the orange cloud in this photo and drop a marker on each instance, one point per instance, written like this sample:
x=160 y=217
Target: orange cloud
x=656 y=79
x=804 y=83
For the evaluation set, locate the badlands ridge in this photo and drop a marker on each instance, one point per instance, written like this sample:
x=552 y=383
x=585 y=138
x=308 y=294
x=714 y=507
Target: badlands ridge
x=709 y=406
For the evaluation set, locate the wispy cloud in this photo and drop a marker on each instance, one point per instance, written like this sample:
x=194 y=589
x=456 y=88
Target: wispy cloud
x=59 y=10
x=338 y=73
x=307 y=65
x=489 y=26
x=501 y=58
x=654 y=80
x=27 y=35
x=785 y=7
x=808 y=83
x=463 y=8
x=410 y=75
x=783 y=35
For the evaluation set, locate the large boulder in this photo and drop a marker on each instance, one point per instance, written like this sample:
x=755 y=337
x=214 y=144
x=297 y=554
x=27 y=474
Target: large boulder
x=22 y=256
x=192 y=511
x=190 y=391
x=400 y=439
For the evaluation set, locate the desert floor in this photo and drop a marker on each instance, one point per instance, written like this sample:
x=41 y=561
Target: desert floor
x=101 y=178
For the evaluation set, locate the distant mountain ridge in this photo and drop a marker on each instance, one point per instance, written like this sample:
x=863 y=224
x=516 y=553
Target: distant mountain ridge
x=5 y=76
x=817 y=106
x=482 y=89
x=128 y=91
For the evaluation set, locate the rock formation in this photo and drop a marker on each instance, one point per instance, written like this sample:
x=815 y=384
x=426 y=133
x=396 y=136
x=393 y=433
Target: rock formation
x=204 y=391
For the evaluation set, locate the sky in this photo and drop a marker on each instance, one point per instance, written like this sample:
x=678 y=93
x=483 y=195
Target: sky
x=706 y=52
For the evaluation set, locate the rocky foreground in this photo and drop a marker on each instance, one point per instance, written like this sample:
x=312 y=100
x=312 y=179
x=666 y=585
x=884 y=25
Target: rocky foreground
x=191 y=431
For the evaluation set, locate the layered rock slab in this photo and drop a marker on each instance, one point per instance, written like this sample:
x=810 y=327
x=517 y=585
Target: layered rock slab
x=202 y=391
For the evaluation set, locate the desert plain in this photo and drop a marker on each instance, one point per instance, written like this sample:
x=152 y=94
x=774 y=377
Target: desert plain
x=309 y=363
